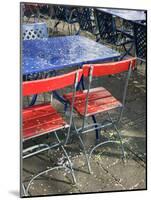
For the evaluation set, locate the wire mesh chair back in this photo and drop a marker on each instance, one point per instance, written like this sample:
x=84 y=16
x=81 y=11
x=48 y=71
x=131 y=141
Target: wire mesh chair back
x=60 y=13
x=106 y=26
x=140 y=36
x=85 y=19
x=34 y=31
x=63 y=13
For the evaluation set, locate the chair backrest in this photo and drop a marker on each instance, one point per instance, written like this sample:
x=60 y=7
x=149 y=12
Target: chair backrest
x=106 y=25
x=105 y=69
x=34 y=31
x=51 y=84
x=29 y=9
x=140 y=37
x=63 y=12
x=84 y=16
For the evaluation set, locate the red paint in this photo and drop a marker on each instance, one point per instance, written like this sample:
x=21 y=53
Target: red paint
x=109 y=68
x=41 y=119
x=50 y=84
x=99 y=100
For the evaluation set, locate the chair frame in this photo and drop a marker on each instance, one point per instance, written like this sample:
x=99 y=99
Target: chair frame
x=85 y=19
x=44 y=85
x=103 y=70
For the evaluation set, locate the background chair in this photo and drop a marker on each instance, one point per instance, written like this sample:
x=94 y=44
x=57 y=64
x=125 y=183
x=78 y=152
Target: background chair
x=43 y=119
x=68 y=15
x=85 y=19
x=30 y=11
x=34 y=31
x=99 y=100
x=110 y=34
x=140 y=38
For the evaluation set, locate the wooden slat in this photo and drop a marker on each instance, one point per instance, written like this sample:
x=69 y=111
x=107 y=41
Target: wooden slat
x=95 y=93
x=43 y=128
x=41 y=119
x=38 y=111
x=97 y=106
x=100 y=100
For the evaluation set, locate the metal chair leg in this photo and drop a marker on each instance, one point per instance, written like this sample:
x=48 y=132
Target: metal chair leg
x=86 y=156
x=70 y=163
x=83 y=146
x=119 y=135
x=24 y=190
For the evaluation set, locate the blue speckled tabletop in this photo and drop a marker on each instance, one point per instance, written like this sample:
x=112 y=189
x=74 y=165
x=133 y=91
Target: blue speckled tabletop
x=63 y=51
x=131 y=15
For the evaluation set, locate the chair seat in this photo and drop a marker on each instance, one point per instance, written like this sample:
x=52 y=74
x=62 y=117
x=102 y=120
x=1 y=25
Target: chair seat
x=100 y=100
x=41 y=119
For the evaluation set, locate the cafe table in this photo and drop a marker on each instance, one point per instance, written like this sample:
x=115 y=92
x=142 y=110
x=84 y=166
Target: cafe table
x=54 y=53
x=62 y=52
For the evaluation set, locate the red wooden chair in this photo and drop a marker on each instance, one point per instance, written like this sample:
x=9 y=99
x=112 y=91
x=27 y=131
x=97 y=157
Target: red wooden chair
x=44 y=119
x=99 y=100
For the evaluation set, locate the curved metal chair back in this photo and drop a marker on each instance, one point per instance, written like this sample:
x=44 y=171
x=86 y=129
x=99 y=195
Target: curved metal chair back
x=140 y=35
x=106 y=26
x=34 y=31
x=85 y=19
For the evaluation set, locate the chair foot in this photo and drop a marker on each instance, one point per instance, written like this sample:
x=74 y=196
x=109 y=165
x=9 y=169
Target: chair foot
x=124 y=158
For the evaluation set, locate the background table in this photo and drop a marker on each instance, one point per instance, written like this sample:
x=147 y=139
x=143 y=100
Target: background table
x=131 y=15
x=59 y=52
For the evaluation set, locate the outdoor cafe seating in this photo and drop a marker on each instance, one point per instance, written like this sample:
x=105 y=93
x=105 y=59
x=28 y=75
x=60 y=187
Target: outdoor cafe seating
x=44 y=59
x=93 y=101
x=44 y=119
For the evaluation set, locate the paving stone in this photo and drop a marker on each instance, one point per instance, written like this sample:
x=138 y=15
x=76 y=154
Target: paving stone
x=128 y=174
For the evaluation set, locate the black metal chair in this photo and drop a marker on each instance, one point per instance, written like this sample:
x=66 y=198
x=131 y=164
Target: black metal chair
x=110 y=34
x=140 y=38
x=67 y=14
x=86 y=19
x=34 y=31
